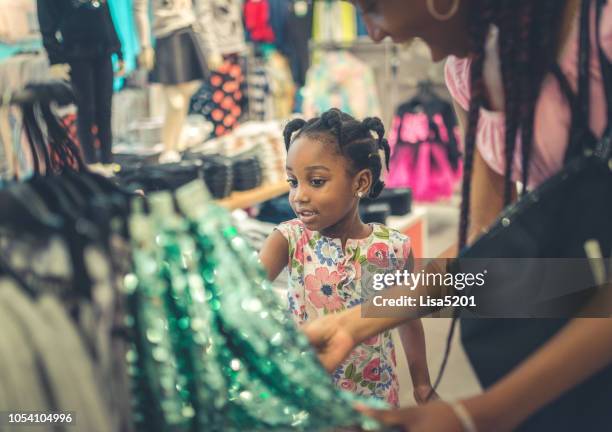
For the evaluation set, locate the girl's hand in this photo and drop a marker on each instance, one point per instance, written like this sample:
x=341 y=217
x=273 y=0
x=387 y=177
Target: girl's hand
x=434 y=417
x=332 y=341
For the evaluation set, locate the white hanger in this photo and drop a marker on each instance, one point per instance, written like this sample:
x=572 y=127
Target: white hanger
x=5 y=133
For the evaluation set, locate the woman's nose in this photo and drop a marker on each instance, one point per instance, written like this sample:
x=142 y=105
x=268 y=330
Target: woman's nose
x=374 y=31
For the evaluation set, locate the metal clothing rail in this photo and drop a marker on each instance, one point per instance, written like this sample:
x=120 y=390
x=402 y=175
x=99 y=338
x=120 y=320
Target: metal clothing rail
x=358 y=42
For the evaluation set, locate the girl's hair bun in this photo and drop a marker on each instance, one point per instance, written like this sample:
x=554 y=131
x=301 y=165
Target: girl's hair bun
x=292 y=127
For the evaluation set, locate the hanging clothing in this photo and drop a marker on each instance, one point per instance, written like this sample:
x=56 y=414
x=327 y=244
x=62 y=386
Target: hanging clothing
x=292 y=25
x=179 y=59
x=334 y=21
x=122 y=12
x=87 y=31
x=298 y=33
x=258 y=86
x=88 y=38
x=220 y=99
x=271 y=90
x=278 y=14
x=282 y=87
x=424 y=149
x=217 y=22
x=340 y=80
x=92 y=80
x=362 y=30
x=257 y=20
x=17 y=21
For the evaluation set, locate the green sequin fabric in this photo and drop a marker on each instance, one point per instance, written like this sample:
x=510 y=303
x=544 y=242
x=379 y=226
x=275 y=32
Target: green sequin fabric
x=214 y=349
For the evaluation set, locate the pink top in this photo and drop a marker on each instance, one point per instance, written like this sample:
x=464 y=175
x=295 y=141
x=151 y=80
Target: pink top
x=552 y=116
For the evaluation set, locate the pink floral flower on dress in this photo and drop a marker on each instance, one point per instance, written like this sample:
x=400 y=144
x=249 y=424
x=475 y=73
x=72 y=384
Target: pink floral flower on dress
x=378 y=254
x=322 y=289
x=342 y=269
x=371 y=372
x=347 y=384
x=299 y=248
x=393 y=398
x=406 y=248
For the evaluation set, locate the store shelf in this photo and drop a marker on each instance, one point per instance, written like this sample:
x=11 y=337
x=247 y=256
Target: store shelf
x=255 y=196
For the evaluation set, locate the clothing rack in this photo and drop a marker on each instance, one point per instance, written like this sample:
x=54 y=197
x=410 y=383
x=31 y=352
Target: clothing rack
x=58 y=91
x=36 y=101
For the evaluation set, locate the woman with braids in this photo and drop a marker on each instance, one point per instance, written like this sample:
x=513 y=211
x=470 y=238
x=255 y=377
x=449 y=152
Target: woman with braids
x=332 y=162
x=516 y=115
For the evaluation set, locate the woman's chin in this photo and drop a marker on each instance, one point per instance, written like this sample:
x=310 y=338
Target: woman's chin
x=437 y=55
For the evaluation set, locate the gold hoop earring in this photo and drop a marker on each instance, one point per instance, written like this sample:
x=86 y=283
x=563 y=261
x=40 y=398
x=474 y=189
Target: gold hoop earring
x=431 y=8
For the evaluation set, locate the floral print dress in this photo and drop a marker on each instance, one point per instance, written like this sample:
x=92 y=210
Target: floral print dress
x=324 y=279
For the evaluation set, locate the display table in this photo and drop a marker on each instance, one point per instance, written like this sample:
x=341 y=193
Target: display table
x=414 y=225
x=238 y=200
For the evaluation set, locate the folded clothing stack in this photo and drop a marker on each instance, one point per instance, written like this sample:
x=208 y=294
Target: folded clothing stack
x=219 y=176
x=134 y=161
x=267 y=138
x=247 y=173
x=217 y=172
x=151 y=178
x=262 y=139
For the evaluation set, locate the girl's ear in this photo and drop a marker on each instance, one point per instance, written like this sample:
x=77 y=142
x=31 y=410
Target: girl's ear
x=363 y=182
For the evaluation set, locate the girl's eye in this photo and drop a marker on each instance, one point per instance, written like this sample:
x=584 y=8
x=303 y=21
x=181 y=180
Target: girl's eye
x=317 y=182
x=292 y=183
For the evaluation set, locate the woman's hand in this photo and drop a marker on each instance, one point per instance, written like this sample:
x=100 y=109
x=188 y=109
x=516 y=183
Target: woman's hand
x=120 y=73
x=331 y=339
x=433 y=417
x=424 y=393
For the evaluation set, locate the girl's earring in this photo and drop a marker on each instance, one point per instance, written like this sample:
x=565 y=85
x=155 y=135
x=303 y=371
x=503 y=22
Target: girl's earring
x=360 y=194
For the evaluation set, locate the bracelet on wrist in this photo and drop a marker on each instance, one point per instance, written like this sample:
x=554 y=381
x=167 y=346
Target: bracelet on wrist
x=464 y=417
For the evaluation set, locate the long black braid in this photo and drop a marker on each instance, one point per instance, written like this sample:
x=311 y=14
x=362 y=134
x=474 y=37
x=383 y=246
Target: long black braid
x=351 y=137
x=478 y=26
x=528 y=45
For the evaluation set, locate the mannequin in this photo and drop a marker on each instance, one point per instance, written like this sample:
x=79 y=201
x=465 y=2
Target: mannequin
x=191 y=40
x=83 y=54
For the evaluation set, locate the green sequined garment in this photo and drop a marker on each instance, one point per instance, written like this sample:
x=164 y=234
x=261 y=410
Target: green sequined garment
x=214 y=349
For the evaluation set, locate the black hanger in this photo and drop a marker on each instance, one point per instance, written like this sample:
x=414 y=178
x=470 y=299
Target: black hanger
x=35 y=137
x=6 y=270
x=426 y=94
x=23 y=209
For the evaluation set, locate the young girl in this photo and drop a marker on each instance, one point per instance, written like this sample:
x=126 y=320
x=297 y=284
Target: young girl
x=332 y=162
